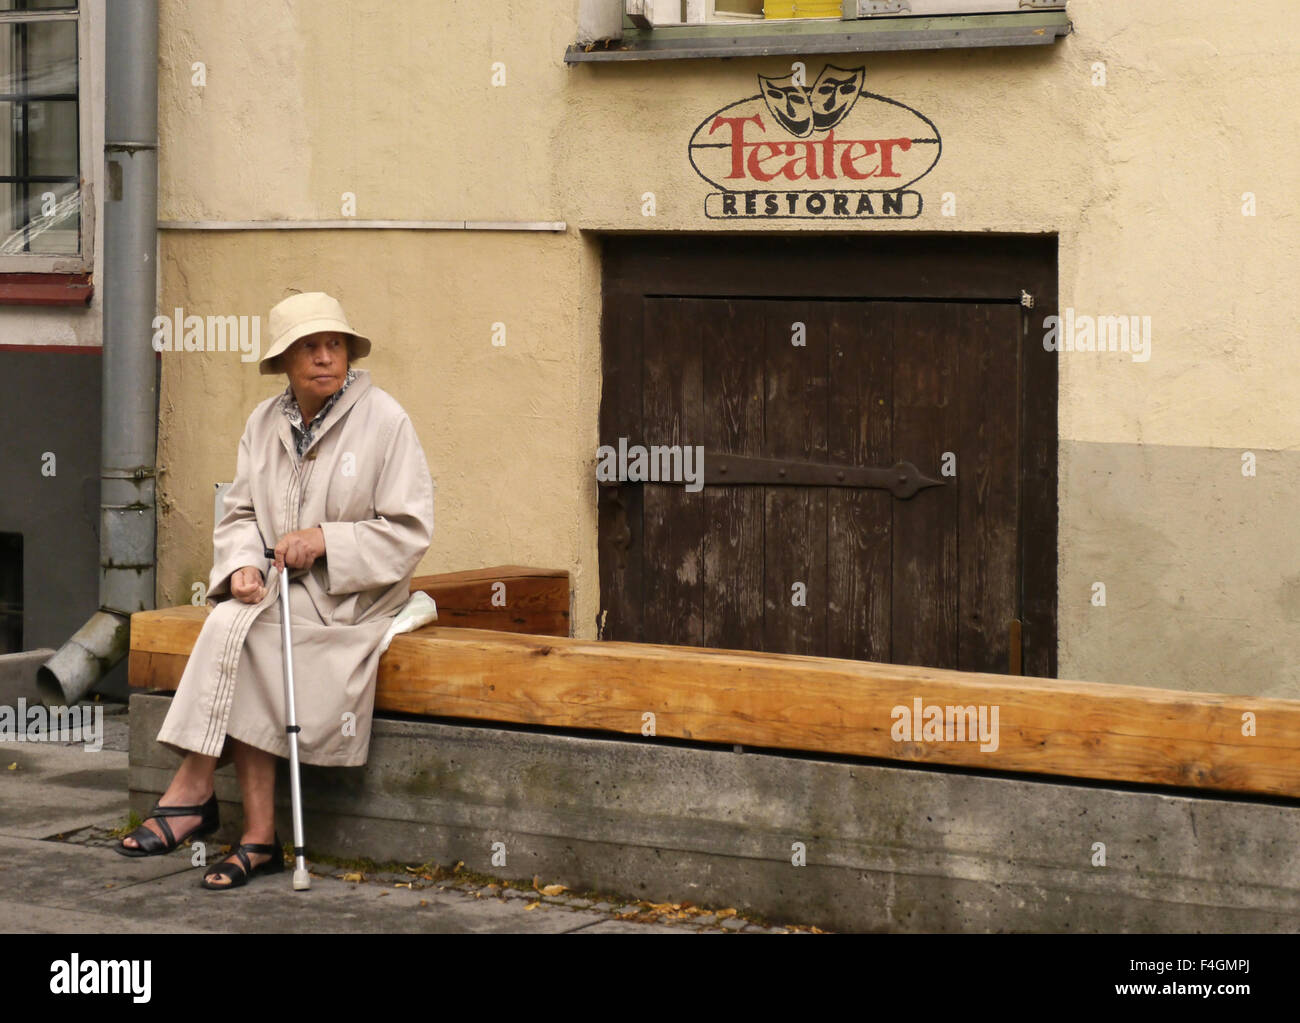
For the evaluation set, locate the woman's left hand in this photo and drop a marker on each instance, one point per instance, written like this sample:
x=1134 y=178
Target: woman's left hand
x=300 y=548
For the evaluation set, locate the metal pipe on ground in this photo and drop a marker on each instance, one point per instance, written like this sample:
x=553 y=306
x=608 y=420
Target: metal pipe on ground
x=128 y=522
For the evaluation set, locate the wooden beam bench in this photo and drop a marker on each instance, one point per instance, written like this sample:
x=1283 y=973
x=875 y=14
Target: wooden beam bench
x=507 y=598
x=1044 y=726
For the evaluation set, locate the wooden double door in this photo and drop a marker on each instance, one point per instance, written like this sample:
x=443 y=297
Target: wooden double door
x=866 y=461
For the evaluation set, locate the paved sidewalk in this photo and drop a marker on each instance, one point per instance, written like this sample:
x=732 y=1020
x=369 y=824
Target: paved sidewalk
x=59 y=806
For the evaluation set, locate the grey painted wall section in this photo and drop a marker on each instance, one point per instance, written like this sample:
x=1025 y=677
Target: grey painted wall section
x=888 y=848
x=52 y=404
x=1201 y=565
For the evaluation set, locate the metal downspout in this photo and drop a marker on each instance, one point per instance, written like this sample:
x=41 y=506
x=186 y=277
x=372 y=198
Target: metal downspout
x=129 y=438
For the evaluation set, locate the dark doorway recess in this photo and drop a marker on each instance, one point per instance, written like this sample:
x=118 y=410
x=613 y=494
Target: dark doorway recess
x=11 y=593
x=805 y=361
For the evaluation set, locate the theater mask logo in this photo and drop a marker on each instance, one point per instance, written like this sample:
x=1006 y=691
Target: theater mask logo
x=831 y=150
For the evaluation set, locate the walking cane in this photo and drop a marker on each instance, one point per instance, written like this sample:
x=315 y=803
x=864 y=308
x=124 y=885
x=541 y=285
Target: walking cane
x=301 y=879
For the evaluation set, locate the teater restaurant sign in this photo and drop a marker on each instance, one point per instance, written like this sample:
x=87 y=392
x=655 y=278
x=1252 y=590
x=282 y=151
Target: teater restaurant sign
x=830 y=151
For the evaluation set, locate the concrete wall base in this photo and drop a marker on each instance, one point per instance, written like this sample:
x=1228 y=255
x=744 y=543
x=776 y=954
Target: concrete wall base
x=888 y=849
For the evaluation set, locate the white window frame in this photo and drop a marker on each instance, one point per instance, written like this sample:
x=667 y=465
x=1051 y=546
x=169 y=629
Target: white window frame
x=665 y=13
x=668 y=13
x=938 y=8
x=83 y=261
x=705 y=12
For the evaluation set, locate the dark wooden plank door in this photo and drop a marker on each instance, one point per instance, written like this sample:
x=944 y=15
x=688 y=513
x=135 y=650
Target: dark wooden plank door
x=732 y=580
x=795 y=427
x=830 y=571
x=860 y=522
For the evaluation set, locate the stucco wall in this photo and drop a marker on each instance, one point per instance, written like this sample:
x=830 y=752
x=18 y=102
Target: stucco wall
x=1142 y=180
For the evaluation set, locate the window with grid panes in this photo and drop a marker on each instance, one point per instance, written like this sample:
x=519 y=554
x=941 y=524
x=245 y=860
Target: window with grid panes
x=40 y=152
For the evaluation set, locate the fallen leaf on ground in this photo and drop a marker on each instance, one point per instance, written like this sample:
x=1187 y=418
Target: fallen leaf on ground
x=459 y=863
x=399 y=884
x=382 y=894
x=424 y=902
x=537 y=881
x=532 y=905
x=13 y=766
x=722 y=914
x=818 y=930
x=353 y=877
x=554 y=889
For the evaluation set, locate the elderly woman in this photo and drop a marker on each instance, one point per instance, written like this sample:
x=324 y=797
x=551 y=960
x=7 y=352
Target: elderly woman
x=331 y=474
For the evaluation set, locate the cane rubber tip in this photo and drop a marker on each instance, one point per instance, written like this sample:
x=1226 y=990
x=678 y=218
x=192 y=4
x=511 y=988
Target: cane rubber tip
x=301 y=880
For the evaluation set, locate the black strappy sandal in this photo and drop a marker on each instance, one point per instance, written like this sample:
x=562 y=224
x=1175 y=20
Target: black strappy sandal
x=150 y=844
x=239 y=873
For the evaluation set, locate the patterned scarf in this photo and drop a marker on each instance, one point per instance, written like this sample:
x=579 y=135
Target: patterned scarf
x=304 y=435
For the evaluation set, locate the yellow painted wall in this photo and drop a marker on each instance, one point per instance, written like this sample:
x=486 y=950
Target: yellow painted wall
x=1142 y=180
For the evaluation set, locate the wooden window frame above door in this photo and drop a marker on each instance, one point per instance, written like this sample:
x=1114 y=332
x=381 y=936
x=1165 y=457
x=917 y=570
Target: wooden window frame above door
x=885 y=267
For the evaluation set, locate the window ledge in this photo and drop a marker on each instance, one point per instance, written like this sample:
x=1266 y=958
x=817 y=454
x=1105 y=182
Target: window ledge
x=46 y=289
x=829 y=36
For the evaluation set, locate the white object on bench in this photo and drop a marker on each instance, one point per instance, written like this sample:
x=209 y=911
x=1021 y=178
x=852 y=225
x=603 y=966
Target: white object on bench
x=418 y=611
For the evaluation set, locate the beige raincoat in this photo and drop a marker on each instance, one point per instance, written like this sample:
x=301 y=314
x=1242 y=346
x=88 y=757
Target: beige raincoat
x=366 y=483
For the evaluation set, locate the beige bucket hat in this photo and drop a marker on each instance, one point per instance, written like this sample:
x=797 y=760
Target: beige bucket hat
x=308 y=313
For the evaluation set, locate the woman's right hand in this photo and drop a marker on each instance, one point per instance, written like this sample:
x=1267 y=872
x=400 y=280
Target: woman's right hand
x=247 y=585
